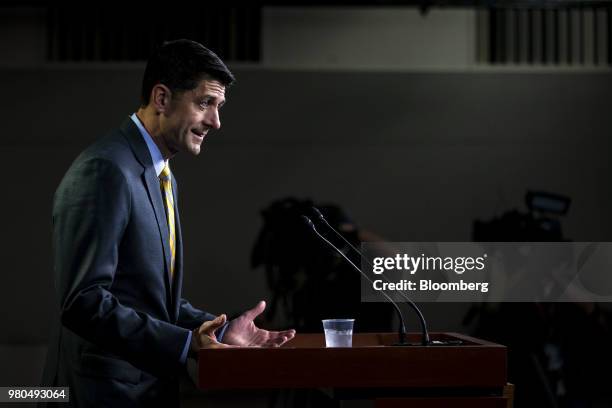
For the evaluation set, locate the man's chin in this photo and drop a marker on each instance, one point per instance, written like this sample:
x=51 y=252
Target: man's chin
x=195 y=150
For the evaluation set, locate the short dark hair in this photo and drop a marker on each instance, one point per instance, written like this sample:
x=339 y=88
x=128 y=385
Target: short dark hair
x=181 y=65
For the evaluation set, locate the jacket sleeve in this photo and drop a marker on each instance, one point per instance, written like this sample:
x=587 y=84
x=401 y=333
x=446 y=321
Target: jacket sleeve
x=189 y=317
x=90 y=213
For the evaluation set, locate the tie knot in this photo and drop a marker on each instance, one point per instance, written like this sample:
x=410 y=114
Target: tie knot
x=165 y=173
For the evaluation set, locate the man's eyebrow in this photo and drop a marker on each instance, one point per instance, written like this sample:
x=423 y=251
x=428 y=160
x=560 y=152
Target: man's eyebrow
x=203 y=98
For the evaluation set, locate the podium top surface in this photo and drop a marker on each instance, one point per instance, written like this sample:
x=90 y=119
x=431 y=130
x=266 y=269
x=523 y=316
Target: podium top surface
x=360 y=340
x=372 y=362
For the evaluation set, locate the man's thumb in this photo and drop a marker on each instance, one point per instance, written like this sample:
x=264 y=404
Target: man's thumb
x=256 y=311
x=219 y=320
x=210 y=326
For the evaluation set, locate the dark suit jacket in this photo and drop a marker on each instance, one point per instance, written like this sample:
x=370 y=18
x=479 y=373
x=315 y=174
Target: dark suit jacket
x=122 y=324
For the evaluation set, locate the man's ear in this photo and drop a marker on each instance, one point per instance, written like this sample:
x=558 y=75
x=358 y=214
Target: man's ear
x=160 y=98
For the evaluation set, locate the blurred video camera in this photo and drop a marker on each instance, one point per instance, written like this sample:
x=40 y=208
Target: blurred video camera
x=540 y=224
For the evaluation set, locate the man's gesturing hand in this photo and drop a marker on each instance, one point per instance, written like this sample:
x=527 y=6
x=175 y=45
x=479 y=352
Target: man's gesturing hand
x=204 y=336
x=243 y=332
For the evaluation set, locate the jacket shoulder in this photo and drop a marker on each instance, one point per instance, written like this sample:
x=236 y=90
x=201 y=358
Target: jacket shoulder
x=113 y=147
x=109 y=160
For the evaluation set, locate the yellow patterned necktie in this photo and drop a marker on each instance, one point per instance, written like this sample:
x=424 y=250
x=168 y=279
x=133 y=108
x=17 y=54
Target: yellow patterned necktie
x=166 y=187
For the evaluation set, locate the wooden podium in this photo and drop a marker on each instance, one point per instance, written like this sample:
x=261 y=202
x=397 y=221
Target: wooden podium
x=470 y=374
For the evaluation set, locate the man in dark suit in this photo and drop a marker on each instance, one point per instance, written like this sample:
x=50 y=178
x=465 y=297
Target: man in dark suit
x=124 y=331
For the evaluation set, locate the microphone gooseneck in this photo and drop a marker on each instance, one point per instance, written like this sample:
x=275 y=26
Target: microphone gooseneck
x=402 y=328
x=425 y=333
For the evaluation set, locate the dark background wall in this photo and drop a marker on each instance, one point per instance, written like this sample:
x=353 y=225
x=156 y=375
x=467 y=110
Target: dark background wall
x=412 y=156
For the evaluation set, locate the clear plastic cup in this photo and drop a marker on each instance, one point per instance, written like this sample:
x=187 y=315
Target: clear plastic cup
x=338 y=332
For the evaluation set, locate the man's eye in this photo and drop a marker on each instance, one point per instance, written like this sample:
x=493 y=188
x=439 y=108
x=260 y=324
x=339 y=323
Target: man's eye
x=204 y=104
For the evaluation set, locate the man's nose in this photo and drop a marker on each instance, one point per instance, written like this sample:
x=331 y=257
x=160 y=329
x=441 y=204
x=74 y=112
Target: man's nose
x=212 y=119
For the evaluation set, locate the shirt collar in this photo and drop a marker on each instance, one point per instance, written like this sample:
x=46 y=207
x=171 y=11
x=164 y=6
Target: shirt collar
x=158 y=160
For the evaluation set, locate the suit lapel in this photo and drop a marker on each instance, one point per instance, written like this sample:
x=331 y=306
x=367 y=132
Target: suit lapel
x=151 y=182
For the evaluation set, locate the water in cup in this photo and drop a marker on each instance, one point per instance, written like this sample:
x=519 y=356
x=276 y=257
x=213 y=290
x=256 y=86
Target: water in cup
x=338 y=332
x=338 y=338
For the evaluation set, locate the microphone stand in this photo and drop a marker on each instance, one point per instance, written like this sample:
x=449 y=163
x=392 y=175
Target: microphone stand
x=424 y=332
x=402 y=328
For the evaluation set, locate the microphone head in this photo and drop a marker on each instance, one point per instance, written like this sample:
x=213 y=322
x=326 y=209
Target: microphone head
x=307 y=221
x=318 y=213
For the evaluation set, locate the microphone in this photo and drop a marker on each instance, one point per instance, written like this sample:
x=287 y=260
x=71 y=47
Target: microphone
x=402 y=328
x=425 y=333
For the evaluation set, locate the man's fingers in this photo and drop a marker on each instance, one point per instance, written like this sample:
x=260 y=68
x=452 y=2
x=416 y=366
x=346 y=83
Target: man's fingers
x=251 y=314
x=276 y=341
x=279 y=338
x=288 y=333
x=286 y=336
x=217 y=345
